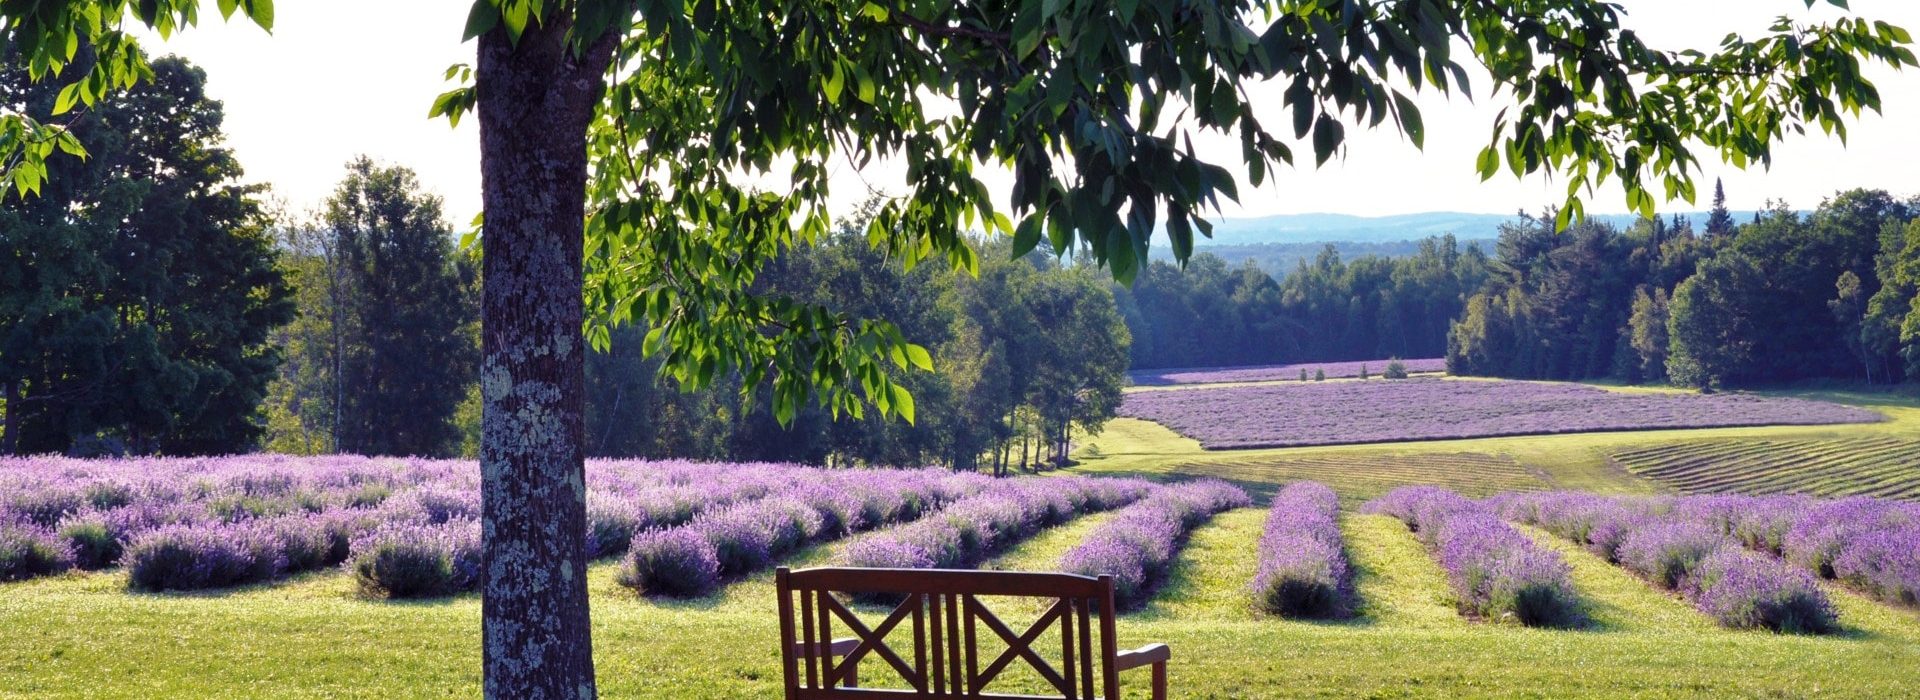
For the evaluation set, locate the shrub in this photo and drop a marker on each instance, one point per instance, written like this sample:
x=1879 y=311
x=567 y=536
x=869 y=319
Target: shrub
x=1500 y=574
x=1744 y=590
x=107 y=495
x=677 y=562
x=611 y=525
x=195 y=557
x=1319 y=375
x=1137 y=545
x=1668 y=552
x=1395 y=369
x=45 y=505
x=1303 y=374
x=1303 y=569
x=92 y=542
x=27 y=551
x=1884 y=562
x=1363 y=372
x=1496 y=572
x=410 y=560
x=739 y=536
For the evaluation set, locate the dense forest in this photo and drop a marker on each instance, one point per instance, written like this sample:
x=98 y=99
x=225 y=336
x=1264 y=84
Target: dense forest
x=1782 y=297
x=1329 y=309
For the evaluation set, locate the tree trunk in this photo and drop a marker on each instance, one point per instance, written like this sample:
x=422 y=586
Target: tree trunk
x=11 y=444
x=535 y=102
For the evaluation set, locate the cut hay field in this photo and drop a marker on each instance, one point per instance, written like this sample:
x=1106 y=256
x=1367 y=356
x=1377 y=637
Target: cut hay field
x=1887 y=467
x=314 y=635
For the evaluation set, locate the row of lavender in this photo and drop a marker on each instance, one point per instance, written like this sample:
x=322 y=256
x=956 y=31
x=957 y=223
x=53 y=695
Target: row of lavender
x=692 y=560
x=1496 y=572
x=1136 y=547
x=1303 y=569
x=408 y=527
x=1747 y=561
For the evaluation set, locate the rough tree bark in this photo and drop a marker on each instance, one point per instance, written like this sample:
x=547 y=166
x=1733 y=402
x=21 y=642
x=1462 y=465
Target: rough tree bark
x=535 y=101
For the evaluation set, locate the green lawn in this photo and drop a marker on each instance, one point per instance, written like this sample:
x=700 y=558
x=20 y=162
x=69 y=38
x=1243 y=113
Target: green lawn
x=82 y=635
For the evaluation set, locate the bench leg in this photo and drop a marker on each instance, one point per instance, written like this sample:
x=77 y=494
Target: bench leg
x=853 y=676
x=1160 y=681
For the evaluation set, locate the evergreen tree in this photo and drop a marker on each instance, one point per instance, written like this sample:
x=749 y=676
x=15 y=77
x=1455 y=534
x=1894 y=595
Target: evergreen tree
x=1647 y=333
x=387 y=347
x=138 y=289
x=1719 y=220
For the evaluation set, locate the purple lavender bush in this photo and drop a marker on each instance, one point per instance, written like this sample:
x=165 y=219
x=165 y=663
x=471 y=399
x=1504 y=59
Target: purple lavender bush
x=414 y=560
x=91 y=540
x=1303 y=568
x=1496 y=572
x=1884 y=562
x=27 y=551
x=1741 y=589
x=1136 y=547
x=1668 y=552
x=675 y=562
x=196 y=557
x=973 y=529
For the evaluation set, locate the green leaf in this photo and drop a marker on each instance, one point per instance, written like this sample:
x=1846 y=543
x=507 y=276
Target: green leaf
x=903 y=402
x=833 y=82
x=484 y=16
x=1327 y=135
x=1410 y=120
x=1027 y=236
x=919 y=357
x=262 y=13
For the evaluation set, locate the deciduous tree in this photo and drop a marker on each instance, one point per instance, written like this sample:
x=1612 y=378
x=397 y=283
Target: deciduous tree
x=655 y=115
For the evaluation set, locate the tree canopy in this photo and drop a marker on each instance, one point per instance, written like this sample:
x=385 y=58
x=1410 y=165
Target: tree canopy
x=138 y=290
x=670 y=116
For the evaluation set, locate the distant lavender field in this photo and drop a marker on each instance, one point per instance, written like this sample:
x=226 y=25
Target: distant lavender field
x=1338 y=413
x=1267 y=373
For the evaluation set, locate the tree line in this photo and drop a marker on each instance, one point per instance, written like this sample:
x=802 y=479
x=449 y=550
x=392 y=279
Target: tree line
x=1782 y=297
x=1212 y=314
x=152 y=304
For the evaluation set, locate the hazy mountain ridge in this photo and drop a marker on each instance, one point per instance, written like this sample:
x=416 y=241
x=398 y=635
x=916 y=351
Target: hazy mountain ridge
x=1350 y=228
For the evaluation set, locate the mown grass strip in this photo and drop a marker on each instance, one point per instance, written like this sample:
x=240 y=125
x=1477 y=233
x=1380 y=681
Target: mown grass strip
x=1398 y=583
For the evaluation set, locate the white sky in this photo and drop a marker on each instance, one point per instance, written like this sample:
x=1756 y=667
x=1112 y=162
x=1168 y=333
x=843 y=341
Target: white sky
x=340 y=78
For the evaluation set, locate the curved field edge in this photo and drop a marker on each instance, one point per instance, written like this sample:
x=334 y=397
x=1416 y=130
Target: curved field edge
x=1393 y=412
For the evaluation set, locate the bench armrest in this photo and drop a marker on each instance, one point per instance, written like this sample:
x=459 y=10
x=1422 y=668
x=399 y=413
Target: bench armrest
x=1143 y=656
x=837 y=647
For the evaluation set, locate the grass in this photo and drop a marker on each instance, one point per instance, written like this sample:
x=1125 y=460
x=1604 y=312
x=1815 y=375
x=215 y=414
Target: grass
x=82 y=635
x=1887 y=467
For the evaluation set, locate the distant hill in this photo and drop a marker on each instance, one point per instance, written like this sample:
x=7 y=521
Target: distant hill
x=1314 y=228
x=1280 y=259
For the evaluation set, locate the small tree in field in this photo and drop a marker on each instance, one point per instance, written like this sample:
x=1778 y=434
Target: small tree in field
x=1363 y=371
x=1303 y=374
x=1395 y=369
x=631 y=155
x=1319 y=375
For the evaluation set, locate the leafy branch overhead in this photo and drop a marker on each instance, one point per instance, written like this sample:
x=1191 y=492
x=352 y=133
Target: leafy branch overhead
x=1093 y=107
x=48 y=37
x=716 y=140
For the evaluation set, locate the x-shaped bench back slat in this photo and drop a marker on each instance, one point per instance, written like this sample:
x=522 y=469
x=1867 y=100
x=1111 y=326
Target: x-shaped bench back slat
x=948 y=616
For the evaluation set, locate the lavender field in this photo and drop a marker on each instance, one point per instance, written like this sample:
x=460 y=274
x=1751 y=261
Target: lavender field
x=1268 y=373
x=1336 y=413
x=409 y=527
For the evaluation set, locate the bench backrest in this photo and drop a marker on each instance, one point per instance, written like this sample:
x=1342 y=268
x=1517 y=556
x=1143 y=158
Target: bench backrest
x=947 y=614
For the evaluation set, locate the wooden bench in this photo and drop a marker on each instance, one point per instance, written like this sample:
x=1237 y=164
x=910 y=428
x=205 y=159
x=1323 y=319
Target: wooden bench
x=947 y=616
